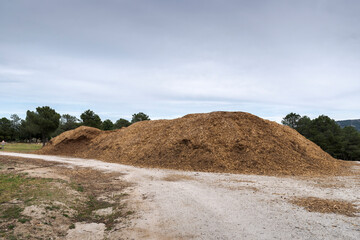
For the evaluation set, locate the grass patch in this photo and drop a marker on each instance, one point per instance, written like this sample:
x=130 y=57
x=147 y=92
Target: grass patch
x=21 y=147
x=10 y=186
x=12 y=237
x=18 y=191
x=12 y=212
x=11 y=226
x=27 y=189
x=78 y=187
x=24 y=220
x=52 y=208
x=86 y=212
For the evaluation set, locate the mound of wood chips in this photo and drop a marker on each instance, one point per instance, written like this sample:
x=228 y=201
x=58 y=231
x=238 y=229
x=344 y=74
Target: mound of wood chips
x=313 y=204
x=234 y=142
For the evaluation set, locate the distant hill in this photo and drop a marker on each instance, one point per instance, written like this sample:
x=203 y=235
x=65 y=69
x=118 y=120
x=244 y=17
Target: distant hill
x=354 y=123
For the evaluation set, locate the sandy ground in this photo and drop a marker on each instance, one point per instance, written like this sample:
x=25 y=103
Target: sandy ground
x=192 y=205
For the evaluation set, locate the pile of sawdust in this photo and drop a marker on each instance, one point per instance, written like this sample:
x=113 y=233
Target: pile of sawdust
x=234 y=142
x=313 y=204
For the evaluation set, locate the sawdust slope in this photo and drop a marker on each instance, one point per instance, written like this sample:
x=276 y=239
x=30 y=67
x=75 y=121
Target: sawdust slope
x=234 y=142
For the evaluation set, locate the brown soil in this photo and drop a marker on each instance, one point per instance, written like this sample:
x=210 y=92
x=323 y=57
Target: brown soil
x=313 y=204
x=234 y=142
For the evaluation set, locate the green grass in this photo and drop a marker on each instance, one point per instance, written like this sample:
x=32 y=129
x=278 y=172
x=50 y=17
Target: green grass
x=27 y=189
x=21 y=147
x=10 y=186
x=78 y=187
x=12 y=213
x=86 y=212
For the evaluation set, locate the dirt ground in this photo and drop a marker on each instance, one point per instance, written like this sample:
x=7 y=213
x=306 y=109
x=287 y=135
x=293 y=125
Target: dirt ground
x=42 y=200
x=170 y=204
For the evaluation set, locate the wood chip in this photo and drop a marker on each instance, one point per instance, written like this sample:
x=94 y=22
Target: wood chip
x=234 y=142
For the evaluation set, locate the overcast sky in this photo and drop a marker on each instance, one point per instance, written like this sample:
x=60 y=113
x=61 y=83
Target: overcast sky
x=168 y=58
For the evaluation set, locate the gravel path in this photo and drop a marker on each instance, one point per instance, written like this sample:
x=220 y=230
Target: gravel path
x=191 y=205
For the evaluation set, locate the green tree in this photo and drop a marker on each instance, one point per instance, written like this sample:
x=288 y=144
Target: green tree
x=15 y=125
x=44 y=121
x=5 y=129
x=107 y=125
x=121 y=123
x=67 y=122
x=24 y=132
x=291 y=120
x=303 y=126
x=351 y=143
x=137 y=117
x=15 y=120
x=91 y=119
x=325 y=132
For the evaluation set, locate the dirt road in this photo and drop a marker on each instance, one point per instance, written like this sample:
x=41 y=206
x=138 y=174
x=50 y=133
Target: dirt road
x=190 y=205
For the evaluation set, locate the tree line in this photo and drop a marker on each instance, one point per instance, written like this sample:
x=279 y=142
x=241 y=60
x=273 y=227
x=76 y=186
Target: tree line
x=341 y=143
x=45 y=122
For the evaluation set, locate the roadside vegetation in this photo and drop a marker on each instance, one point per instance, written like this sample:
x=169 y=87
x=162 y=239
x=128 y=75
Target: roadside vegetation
x=33 y=207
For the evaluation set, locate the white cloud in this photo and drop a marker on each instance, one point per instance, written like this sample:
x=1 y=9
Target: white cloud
x=5 y=71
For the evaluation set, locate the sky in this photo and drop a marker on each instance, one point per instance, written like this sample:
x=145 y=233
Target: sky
x=169 y=58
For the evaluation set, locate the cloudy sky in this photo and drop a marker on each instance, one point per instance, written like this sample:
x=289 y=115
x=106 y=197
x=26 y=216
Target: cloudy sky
x=168 y=58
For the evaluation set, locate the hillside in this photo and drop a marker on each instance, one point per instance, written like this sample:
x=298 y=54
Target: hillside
x=234 y=142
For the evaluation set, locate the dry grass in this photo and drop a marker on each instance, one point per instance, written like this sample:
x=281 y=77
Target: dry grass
x=313 y=204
